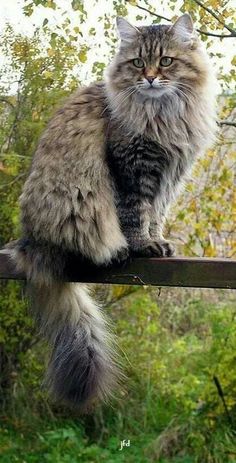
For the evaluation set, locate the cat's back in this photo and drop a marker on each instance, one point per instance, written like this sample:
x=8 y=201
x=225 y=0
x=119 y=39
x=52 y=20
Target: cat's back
x=74 y=125
x=71 y=151
x=87 y=104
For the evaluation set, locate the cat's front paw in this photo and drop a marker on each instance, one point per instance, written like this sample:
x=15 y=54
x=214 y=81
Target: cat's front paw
x=159 y=248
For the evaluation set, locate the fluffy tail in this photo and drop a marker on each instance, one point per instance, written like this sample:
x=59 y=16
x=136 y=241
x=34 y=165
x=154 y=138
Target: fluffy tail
x=82 y=367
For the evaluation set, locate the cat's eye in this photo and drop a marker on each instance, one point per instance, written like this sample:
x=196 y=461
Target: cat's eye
x=138 y=63
x=166 y=61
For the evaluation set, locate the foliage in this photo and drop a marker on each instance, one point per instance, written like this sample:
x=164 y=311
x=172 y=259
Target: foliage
x=169 y=407
x=210 y=205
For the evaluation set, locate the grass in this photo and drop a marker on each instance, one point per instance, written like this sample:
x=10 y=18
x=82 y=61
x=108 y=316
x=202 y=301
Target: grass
x=66 y=442
x=63 y=443
x=169 y=409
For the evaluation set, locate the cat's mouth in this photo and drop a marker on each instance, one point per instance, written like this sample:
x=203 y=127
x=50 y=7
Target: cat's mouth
x=153 y=91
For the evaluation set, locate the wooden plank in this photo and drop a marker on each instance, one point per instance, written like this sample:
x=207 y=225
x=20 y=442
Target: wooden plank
x=178 y=271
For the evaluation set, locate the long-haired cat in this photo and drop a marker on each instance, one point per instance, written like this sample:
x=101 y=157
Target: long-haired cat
x=104 y=174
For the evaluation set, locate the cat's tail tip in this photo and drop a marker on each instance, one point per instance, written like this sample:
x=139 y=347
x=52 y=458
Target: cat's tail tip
x=83 y=368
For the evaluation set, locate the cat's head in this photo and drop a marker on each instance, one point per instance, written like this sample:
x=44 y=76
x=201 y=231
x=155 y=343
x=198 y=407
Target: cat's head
x=153 y=60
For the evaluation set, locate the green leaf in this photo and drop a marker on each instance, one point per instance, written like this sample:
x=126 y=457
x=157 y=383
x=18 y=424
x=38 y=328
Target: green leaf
x=78 y=5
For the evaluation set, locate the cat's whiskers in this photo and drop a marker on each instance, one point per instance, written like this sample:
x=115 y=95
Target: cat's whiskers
x=184 y=86
x=117 y=98
x=142 y=85
x=126 y=94
x=175 y=88
x=118 y=102
x=184 y=95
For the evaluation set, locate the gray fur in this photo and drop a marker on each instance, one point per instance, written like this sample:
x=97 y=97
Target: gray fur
x=104 y=174
x=82 y=367
x=173 y=122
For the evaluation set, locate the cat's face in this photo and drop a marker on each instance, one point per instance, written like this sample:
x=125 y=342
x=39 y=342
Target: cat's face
x=158 y=59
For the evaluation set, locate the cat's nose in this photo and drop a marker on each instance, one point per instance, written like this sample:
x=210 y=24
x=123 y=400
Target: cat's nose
x=150 y=79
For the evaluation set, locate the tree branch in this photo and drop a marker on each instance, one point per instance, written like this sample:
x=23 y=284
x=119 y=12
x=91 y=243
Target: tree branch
x=152 y=13
x=13 y=181
x=209 y=34
x=6 y=100
x=220 y=36
x=212 y=13
x=230 y=123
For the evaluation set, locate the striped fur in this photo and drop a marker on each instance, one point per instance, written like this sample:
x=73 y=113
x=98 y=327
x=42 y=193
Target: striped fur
x=156 y=132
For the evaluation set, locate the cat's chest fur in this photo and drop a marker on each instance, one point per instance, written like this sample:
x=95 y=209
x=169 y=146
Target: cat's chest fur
x=142 y=167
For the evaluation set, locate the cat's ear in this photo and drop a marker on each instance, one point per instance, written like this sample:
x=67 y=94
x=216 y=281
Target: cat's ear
x=127 y=32
x=183 y=28
x=183 y=23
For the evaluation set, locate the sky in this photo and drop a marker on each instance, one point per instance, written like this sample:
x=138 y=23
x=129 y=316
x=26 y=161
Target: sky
x=11 y=12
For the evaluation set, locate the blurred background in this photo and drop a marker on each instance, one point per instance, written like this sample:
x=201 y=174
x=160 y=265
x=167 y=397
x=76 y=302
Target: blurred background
x=177 y=346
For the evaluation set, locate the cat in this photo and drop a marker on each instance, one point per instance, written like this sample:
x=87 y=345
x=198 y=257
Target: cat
x=107 y=167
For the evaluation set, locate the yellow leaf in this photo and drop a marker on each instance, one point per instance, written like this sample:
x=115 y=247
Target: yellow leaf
x=50 y=52
x=35 y=116
x=233 y=62
x=83 y=56
x=210 y=251
x=48 y=74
